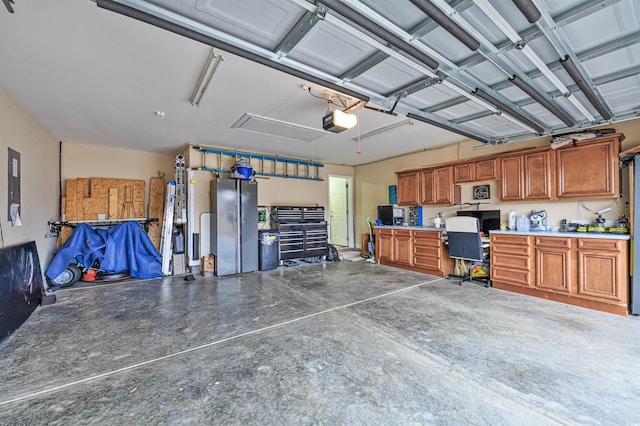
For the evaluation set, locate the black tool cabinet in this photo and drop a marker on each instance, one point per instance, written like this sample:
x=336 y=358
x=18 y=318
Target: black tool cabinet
x=303 y=231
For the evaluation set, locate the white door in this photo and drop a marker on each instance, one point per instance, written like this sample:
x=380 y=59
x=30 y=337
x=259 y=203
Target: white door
x=339 y=210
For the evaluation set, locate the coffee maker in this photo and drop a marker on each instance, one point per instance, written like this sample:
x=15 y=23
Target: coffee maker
x=538 y=220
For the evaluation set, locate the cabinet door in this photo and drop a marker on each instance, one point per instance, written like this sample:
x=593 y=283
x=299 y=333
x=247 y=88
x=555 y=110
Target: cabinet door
x=486 y=170
x=588 y=170
x=464 y=172
x=402 y=247
x=443 y=185
x=602 y=271
x=408 y=189
x=427 y=192
x=511 y=182
x=384 y=245
x=554 y=264
x=537 y=176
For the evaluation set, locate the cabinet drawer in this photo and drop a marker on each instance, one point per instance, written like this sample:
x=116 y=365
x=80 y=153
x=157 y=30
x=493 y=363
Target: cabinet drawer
x=427 y=262
x=402 y=233
x=427 y=251
x=553 y=242
x=510 y=239
x=511 y=276
x=511 y=261
x=510 y=250
x=427 y=242
x=600 y=244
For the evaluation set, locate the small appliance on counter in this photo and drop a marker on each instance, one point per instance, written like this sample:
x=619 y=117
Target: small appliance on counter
x=538 y=220
x=415 y=216
x=391 y=215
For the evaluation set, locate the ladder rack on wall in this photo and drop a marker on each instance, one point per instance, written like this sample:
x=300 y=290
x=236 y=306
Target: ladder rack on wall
x=263 y=165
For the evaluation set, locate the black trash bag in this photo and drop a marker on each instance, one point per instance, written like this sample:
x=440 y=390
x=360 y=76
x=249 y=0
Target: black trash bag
x=332 y=254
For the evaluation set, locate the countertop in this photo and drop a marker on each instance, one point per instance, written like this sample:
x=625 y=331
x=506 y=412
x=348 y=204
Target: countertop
x=603 y=235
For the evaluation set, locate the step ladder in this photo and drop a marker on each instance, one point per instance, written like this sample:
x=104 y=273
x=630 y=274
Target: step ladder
x=181 y=190
x=167 y=227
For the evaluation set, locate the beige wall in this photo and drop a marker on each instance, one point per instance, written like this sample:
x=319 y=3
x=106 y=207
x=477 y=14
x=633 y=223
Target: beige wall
x=372 y=181
x=87 y=161
x=271 y=190
x=38 y=182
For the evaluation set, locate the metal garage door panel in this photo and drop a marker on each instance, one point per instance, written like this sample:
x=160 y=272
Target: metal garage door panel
x=327 y=48
x=387 y=76
x=261 y=22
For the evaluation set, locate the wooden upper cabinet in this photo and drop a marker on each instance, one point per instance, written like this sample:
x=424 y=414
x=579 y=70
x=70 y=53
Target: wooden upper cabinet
x=511 y=182
x=537 y=176
x=436 y=186
x=443 y=185
x=465 y=172
x=475 y=171
x=527 y=176
x=408 y=188
x=589 y=170
x=427 y=193
x=486 y=169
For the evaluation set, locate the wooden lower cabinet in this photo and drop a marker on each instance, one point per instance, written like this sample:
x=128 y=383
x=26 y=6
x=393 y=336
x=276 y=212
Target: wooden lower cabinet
x=554 y=264
x=511 y=260
x=602 y=269
x=402 y=247
x=384 y=245
x=587 y=272
x=417 y=250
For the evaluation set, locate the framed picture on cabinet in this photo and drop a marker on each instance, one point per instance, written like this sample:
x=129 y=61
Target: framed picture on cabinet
x=481 y=192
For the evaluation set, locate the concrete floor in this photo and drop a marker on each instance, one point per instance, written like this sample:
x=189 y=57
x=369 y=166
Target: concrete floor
x=335 y=343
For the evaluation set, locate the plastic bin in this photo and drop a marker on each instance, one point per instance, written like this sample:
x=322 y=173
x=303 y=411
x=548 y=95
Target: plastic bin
x=268 y=250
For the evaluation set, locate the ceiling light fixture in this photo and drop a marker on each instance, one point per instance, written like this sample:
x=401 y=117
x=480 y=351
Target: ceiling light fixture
x=447 y=23
x=447 y=127
x=385 y=129
x=210 y=68
x=570 y=67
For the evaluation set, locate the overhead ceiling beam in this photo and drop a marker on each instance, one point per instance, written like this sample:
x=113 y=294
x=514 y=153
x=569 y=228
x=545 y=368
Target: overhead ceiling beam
x=570 y=62
x=452 y=128
x=463 y=83
x=364 y=65
x=381 y=32
x=297 y=32
x=581 y=10
x=182 y=30
x=447 y=23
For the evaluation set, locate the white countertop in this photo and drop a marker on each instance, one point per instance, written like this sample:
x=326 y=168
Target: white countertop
x=418 y=228
x=604 y=235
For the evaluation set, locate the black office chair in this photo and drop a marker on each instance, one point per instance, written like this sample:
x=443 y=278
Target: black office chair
x=465 y=245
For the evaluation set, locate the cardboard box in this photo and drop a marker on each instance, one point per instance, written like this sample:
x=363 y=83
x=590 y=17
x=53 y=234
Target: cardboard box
x=208 y=265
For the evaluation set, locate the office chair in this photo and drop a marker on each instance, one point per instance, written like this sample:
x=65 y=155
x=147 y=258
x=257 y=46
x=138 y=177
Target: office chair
x=464 y=241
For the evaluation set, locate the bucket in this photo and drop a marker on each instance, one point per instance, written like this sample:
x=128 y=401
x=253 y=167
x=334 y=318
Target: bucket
x=242 y=170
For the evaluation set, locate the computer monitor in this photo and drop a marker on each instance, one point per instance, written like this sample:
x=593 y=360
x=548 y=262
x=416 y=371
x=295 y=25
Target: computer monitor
x=489 y=219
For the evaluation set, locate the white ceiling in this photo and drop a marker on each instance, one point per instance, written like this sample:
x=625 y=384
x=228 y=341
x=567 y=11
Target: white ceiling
x=93 y=76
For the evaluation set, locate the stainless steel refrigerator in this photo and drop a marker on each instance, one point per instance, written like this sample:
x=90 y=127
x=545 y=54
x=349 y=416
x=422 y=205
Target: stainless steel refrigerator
x=234 y=225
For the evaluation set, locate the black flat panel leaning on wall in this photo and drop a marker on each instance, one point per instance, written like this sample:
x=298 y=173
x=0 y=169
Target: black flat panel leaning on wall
x=21 y=286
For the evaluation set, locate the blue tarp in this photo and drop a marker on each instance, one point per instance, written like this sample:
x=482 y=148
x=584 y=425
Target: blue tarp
x=120 y=248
